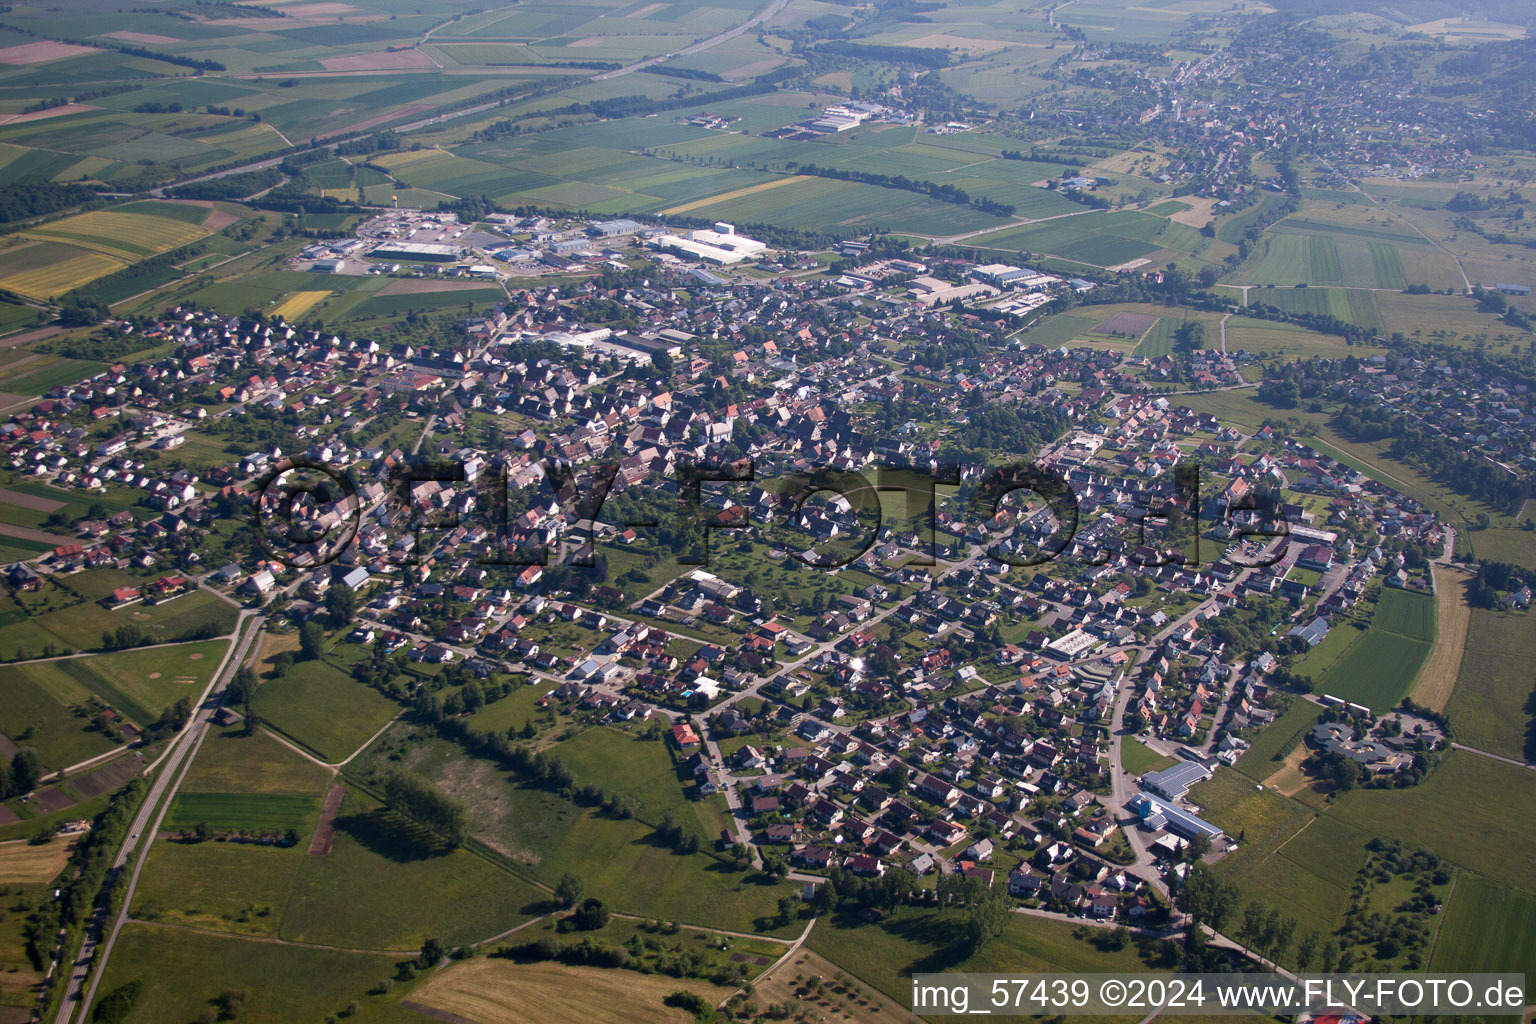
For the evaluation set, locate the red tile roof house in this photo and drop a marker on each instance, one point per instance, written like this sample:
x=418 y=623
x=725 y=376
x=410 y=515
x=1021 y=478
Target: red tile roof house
x=123 y=596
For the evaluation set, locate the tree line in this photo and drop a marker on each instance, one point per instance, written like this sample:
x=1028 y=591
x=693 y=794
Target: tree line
x=943 y=193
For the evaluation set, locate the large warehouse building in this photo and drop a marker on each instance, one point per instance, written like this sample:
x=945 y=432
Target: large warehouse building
x=419 y=252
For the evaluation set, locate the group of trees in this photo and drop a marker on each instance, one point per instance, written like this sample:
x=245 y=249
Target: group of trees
x=129 y=634
x=25 y=770
x=230 y=186
x=20 y=201
x=424 y=804
x=1484 y=588
x=171 y=721
x=78 y=894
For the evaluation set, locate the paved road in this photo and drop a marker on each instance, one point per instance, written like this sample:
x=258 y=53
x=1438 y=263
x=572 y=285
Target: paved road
x=80 y=989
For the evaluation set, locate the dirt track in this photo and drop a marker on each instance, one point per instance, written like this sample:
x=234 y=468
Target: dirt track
x=325 y=831
x=1437 y=676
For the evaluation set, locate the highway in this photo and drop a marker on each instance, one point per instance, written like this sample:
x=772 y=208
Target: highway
x=80 y=989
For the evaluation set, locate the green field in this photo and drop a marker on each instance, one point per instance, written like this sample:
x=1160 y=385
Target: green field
x=619 y=861
x=143 y=683
x=231 y=762
x=1405 y=613
x=184 y=971
x=911 y=941
x=1138 y=759
x=241 y=888
x=81 y=625
x=1268 y=747
x=1377 y=666
x=323 y=708
x=643 y=769
x=1488 y=927
x=376 y=889
x=1490 y=707
x=1377 y=670
x=44 y=708
x=1159 y=339
x=242 y=812
x=1517 y=547
x=48 y=703
x=1454 y=812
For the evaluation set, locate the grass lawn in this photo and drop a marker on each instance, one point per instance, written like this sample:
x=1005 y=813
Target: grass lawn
x=231 y=762
x=513 y=710
x=1490 y=706
x=621 y=762
x=323 y=708
x=379 y=889
x=1457 y=812
x=1139 y=759
x=183 y=972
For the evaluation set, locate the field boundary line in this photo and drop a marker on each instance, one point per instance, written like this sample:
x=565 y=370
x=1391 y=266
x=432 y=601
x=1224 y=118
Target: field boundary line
x=271 y=940
x=1449 y=896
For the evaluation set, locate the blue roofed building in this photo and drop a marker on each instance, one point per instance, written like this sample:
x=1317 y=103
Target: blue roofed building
x=1157 y=813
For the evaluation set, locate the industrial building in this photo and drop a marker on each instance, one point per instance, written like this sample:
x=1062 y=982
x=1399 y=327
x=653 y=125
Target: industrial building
x=1000 y=274
x=1174 y=782
x=1156 y=813
x=722 y=246
x=613 y=228
x=419 y=252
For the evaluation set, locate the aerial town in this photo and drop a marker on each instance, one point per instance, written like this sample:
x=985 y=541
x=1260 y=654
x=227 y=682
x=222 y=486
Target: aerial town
x=911 y=505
